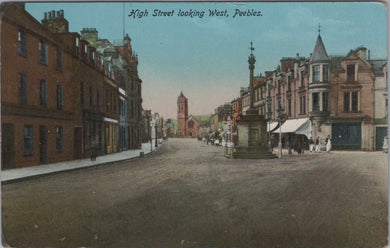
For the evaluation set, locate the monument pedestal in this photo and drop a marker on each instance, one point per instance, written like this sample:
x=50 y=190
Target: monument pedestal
x=252 y=138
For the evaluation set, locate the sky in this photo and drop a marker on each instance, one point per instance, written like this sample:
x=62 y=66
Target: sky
x=206 y=57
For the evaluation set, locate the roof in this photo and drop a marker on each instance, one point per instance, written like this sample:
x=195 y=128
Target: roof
x=378 y=65
x=181 y=96
x=319 y=53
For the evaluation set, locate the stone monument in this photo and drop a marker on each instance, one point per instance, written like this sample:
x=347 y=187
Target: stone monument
x=252 y=127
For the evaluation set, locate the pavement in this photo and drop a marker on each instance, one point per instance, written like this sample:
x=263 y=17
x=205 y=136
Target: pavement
x=12 y=175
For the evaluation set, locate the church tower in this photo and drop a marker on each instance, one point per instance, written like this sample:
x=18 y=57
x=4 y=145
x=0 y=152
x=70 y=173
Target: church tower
x=182 y=115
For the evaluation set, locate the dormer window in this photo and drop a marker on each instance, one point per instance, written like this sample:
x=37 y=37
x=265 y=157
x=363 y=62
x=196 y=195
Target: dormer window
x=351 y=73
x=86 y=51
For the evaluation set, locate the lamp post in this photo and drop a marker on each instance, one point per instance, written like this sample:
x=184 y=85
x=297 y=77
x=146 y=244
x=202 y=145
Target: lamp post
x=150 y=134
x=155 y=126
x=280 y=119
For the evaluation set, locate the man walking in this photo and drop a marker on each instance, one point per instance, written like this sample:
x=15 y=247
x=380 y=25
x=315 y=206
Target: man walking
x=318 y=145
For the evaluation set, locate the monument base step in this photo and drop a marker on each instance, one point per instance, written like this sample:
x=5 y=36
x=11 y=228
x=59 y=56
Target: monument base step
x=252 y=153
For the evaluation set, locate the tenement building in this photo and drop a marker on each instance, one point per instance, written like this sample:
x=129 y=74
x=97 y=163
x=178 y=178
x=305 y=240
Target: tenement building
x=344 y=97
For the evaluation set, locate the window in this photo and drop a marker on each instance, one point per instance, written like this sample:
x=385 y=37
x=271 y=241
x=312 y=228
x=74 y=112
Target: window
x=81 y=93
x=325 y=73
x=59 y=59
x=43 y=52
x=90 y=96
x=350 y=73
x=289 y=107
x=86 y=52
x=43 y=93
x=23 y=88
x=60 y=96
x=346 y=101
x=351 y=101
x=60 y=139
x=301 y=78
x=316 y=102
x=22 y=47
x=316 y=73
x=354 y=102
x=302 y=105
x=77 y=46
x=28 y=140
x=288 y=84
x=325 y=101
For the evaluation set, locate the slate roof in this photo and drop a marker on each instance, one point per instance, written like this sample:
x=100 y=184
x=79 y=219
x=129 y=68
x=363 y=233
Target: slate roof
x=319 y=53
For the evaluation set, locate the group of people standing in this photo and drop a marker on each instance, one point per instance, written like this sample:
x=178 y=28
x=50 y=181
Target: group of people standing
x=316 y=146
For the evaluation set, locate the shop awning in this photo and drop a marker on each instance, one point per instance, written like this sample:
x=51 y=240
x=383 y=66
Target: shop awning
x=297 y=126
x=271 y=126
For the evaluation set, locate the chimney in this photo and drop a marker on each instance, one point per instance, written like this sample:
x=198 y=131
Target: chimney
x=369 y=54
x=361 y=52
x=90 y=34
x=55 y=25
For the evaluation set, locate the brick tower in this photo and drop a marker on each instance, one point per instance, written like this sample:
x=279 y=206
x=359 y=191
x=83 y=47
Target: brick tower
x=182 y=115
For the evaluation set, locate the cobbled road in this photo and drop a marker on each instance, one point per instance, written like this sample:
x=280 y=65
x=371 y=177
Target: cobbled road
x=187 y=194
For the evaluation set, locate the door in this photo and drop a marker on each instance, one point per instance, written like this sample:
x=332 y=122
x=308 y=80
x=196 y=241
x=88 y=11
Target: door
x=7 y=146
x=43 y=144
x=78 y=143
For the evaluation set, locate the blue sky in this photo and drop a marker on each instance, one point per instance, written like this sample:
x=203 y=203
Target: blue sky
x=207 y=58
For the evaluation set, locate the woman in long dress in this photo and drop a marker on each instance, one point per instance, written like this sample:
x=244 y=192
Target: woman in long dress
x=328 y=144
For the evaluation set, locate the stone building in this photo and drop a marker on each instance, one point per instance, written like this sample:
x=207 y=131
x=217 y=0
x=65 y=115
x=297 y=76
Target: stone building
x=381 y=103
x=353 y=97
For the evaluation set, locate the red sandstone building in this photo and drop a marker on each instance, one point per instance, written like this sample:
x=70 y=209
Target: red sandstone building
x=37 y=92
x=62 y=98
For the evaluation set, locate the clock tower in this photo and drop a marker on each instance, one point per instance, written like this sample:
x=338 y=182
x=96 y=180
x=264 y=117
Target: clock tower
x=182 y=115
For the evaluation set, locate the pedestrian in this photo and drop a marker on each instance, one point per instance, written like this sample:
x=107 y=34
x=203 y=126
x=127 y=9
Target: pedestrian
x=311 y=144
x=385 y=146
x=328 y=142
x=318 y=145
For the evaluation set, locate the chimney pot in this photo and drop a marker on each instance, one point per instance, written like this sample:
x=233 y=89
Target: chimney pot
x=45 y=16
x=53 y=14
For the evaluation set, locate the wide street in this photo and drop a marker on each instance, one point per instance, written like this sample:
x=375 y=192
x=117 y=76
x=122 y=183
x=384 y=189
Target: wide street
x=188 y=195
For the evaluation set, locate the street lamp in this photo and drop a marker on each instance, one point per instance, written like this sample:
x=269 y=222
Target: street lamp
x=280 y=119
x=150 y=135
x=155 y=126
